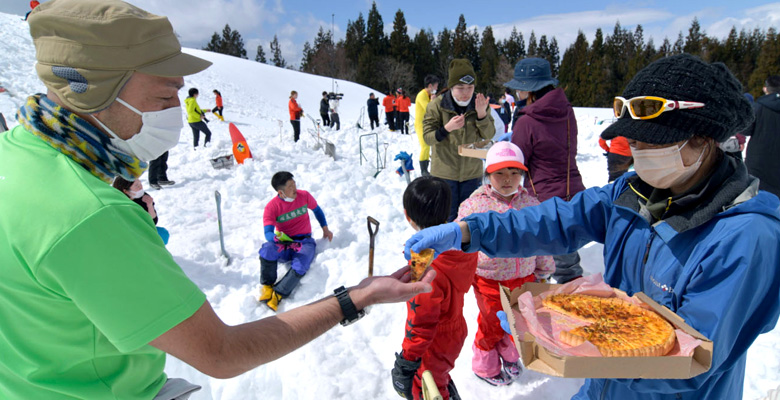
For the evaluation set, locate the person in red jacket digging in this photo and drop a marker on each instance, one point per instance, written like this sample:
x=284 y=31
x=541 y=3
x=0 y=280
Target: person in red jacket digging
x=435 y=328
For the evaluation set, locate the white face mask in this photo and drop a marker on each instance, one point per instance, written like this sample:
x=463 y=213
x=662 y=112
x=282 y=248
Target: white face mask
x=505 y=194
x=433 y=91
x=287 y=199
x=461 y=103
x=159 y=133
x=663 y=168
x=136 y=195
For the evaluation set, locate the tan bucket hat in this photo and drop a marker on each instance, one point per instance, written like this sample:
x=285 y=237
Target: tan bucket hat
x=88 y=49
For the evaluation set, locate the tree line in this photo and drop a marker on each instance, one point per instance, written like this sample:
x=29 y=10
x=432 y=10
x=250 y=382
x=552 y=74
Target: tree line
x=592 y=73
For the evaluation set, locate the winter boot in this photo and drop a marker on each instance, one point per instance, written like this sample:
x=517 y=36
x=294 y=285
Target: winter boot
x=512 y=369
x=266 y=292
x=502 y=379
x=424 y=167
x=273 y=302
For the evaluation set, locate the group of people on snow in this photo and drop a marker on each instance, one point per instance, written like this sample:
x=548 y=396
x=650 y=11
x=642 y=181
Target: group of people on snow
x=691 y=227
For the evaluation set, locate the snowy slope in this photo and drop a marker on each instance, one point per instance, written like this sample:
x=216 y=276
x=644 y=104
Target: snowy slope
x=351 y=362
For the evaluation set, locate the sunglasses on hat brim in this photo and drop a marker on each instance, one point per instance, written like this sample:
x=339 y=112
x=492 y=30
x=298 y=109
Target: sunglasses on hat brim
x=649 y=107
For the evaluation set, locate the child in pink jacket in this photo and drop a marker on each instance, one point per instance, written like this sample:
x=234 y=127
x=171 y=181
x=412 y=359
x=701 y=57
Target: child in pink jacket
x=495 y=356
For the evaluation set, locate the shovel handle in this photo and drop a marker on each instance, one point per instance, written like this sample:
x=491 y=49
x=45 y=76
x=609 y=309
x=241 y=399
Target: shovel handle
x=371 y=234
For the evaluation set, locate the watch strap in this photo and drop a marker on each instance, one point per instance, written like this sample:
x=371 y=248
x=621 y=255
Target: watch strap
x=351 y=313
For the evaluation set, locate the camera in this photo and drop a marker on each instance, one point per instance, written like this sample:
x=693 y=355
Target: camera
x=335 y=96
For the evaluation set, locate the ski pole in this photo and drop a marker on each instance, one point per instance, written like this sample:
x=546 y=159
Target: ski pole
x=371 y=235
x=406 y=173
x=384 y=162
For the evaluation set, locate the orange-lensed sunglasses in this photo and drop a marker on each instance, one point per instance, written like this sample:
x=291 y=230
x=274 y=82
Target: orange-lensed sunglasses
x=649 y=107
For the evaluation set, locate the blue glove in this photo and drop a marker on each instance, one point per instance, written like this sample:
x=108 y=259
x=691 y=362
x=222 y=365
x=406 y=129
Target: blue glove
x=164 y=234
x=440 y=238
x=504 y=323
x=505 y=137
x=402 y=156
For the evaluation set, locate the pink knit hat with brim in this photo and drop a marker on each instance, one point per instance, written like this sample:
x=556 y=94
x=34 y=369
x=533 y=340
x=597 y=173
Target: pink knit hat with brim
x=504 y=155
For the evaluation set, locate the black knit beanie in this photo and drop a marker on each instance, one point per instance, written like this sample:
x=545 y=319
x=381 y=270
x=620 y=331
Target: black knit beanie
x=687 y=78
x=461 y=71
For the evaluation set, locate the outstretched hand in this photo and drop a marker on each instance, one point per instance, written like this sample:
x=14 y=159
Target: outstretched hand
x=327 y=234
x=394 y=288
x=440 y=238
x=481 y=105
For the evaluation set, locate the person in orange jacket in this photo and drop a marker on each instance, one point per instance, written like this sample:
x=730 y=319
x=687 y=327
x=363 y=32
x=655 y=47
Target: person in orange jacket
x=389 y=103
x=402 y=103
x=296 y=112
x=219 y=105
x=33 y=4
x=619 y=158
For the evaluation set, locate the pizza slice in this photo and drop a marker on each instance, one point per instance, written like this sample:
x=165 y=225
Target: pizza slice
x=420 y=262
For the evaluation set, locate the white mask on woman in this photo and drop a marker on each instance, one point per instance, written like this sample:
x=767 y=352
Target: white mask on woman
x=159 y=133
x=663 y=168
x=136 y=195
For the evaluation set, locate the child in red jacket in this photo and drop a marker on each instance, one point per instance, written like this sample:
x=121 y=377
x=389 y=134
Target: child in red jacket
x=435 y=327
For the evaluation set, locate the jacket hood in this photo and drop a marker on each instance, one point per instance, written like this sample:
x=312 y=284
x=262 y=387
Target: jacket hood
x=770 y=101
x=552 y=107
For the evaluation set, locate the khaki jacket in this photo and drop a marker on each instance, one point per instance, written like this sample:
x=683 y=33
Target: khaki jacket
x=446 y=162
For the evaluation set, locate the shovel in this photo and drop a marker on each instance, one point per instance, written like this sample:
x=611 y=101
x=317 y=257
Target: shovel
x=371 y=235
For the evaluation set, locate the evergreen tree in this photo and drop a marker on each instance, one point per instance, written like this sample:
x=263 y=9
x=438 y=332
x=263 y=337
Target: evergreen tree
x=679 y=44
x=355 y=38
x=598 y=70
x=400 y=44
x=230 y=43
x=488 y=54
x=573 y=72
x=514 y=47
x=767 y=63
x=533 y=50
x=260 y=56
x=423 y=52
x=444 y=53
x=376 y=42
x=308 y=54
x=694 y=41
x=460 y=39
x=276 y=54
x=554 y=56
x=666 y=48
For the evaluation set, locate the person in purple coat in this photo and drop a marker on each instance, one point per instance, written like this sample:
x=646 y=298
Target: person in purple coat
x=546 y=132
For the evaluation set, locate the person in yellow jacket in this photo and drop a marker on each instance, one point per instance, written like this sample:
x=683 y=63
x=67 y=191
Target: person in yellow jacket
x=196 y=117
x=431 y=83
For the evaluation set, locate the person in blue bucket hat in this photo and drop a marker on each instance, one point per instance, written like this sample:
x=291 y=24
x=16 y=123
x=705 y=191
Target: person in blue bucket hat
x=546 y=132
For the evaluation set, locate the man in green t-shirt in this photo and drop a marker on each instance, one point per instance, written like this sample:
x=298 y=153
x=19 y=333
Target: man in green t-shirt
x=91 y=300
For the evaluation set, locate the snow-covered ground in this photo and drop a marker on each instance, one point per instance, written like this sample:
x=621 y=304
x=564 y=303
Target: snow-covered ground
x=352 y=362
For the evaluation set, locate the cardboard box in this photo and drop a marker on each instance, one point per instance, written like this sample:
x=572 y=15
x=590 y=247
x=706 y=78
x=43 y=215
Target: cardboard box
x=537 y=358
x=476 y=149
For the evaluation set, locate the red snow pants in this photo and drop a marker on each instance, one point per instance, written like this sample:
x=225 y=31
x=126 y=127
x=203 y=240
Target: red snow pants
x=440 y=357
x=489 y=302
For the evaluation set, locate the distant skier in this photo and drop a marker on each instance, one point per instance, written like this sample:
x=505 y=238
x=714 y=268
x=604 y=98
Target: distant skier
x=287 y=213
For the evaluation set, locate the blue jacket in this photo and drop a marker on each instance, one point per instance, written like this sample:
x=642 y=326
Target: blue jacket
x=721 y=274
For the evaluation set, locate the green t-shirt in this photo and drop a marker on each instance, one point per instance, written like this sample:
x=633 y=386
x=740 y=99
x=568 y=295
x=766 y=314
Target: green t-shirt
x=85 y=282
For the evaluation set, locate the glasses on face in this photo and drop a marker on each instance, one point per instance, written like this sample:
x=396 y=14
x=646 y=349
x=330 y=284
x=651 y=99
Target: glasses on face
x=467 y=79
x=649 y=107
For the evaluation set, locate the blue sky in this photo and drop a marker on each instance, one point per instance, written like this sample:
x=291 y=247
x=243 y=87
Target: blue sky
x=297 y=21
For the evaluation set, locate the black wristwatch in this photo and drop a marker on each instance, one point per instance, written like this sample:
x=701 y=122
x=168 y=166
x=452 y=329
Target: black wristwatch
x=351 y=313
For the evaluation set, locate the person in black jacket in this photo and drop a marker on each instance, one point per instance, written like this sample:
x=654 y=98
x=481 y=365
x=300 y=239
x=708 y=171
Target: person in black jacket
x=324 y=108
x=372 y=105
x=763 y=152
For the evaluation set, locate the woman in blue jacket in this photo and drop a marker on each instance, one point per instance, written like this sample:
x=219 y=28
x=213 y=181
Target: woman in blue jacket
x=690 y=228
